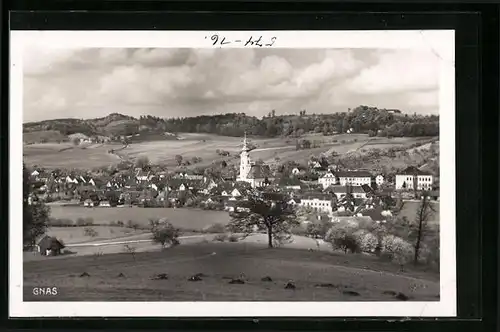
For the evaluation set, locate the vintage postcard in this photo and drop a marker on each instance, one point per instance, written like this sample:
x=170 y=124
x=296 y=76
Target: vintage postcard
x=232 y=173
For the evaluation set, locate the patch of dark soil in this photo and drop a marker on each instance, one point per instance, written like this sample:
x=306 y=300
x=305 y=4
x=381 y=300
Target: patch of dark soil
x=350 y=293
x=391 y=293
x=237 y=281
x=161 y=276
x=266 y=279
x=200 y=275
x=84 y=274
x=402 y=297
x=327 y=285
x=195 y=278
x=121 y=275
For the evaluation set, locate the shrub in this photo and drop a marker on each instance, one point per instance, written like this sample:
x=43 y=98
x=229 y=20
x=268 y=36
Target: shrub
x=81 y=222
x=367 y=241
x=164 y=232
x=318 y=229
x=130 y=224
x=120 y=223
x=233 y=238
x=396 y=249
x=220 y=237
x=214 y=228
x=89 y=231
x=341 y=236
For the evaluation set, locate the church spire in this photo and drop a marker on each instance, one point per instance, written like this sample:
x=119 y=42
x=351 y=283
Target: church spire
x=245 y=148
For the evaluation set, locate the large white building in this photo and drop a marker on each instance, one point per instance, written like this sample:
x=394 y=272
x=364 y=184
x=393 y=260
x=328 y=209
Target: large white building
x=413 y=178
x=327 y=180
x=319 y=202
x=354 y=178
x=255 y=175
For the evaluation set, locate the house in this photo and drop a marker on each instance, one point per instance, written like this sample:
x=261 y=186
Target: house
x=294 y=202
x=104 y=204
x=379 y=180
x=49 y=246
x=354 y=178
x=260 y=176
x=235 y=193
x=69 y=179
x=88 y=203
x=340 y=191
x=208 y=185
x=412 y=178
x=35 y=173
x=297 y=170
x=320 y=202
x=328 y=179
x=234 y=206
x=142 y=176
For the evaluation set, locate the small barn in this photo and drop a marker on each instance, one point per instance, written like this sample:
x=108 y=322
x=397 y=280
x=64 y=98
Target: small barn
x=49 y=246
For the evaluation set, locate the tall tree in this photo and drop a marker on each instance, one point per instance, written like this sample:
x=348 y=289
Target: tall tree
x=265 y=212
x=142 y=162
x=35 y=213
x=424 y=212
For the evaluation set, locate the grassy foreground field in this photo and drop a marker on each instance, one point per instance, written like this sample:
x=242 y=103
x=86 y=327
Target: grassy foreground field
x=318 y=276
x=183 y=218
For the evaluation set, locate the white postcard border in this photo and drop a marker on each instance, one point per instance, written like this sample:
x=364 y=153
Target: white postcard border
x=440 y=42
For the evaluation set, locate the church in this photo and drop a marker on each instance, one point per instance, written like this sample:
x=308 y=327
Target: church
x=256 y=175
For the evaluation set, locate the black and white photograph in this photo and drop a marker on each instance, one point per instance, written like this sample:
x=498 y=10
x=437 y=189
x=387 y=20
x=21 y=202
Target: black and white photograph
x=232 y=173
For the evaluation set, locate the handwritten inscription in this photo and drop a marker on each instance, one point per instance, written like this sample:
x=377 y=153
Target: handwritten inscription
x=255 y=41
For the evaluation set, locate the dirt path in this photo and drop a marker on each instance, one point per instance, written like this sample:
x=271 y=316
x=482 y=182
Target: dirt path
x=126 y=240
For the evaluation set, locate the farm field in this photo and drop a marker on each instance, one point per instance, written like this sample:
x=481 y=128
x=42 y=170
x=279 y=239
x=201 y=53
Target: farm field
x=183 y=218
x=344 y=277
x=54 y=155
x=190 y=145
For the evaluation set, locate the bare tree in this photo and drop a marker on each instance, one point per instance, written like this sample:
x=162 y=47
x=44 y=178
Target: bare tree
x=130 y=249
x=424 y=213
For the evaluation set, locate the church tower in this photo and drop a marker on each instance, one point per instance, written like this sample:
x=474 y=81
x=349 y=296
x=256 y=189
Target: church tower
x=245 y=162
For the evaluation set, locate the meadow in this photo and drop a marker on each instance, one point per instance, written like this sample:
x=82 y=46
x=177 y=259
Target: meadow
x=72 y=235
x=317 y=276
x=193 y=219
x=190 y=145
x=65 y=155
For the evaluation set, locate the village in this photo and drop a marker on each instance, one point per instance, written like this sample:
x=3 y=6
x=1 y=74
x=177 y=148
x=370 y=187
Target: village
x=336 y=191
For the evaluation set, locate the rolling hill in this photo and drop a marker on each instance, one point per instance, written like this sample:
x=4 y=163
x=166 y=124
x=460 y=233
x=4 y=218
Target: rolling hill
x=361 y=120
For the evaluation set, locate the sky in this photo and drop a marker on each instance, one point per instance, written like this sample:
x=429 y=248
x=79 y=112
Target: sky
x=167 y=82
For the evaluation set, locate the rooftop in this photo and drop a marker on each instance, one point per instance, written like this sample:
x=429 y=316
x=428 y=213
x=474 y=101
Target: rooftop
x=353 y=174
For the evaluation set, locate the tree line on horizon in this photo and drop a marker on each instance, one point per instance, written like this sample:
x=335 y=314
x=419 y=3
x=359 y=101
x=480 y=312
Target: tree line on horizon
x=362 y=119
